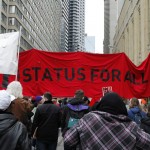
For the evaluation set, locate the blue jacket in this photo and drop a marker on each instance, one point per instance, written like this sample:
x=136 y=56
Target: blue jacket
x=134 y=110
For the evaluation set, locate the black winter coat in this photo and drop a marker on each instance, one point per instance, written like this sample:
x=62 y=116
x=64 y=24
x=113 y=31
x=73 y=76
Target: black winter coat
x=145 y=124
x=47 y=120
x=13 y=134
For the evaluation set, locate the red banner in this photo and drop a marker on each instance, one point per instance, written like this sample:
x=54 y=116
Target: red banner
x=62 y=73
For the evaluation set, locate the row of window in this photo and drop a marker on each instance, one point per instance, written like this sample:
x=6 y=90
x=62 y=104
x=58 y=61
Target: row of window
x=14 y=9
x=3 y=30
x=4 y=6
x=46 y=29
x=3 y=18
x=15 y=22
x=25 y=43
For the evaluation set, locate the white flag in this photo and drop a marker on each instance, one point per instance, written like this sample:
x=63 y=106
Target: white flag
x=8 y=53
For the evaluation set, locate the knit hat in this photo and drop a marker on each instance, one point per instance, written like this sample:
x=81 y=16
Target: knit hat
x=5 y=99
x=38 y=99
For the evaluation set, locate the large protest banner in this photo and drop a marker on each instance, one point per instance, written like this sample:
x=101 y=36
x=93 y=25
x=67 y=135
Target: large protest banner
x=62 y=73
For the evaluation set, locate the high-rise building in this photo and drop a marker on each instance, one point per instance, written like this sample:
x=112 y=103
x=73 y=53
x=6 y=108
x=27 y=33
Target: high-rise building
x=110 y=21
x=76 y=24
x=90 y=43
x=40 y=22
x=64 y=25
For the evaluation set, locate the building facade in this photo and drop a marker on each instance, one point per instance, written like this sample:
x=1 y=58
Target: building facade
x=133 y=30
x=40 y=22
x=76 y=25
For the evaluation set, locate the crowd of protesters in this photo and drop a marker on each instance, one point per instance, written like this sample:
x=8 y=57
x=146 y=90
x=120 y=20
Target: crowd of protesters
x=27 y=123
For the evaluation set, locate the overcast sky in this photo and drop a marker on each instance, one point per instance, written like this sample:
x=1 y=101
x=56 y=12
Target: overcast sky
x=94 y=22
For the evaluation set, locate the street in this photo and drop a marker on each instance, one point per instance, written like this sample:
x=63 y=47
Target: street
x=60 y=145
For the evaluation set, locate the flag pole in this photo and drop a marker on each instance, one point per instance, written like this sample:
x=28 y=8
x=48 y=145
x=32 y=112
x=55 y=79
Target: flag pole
x=18 y=51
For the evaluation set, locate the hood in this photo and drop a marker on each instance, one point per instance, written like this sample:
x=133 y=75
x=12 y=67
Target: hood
x=7 y=120
x=77 y=107
x=135 y=109
x=113 y=104
x=110 y=118
x=76 y=101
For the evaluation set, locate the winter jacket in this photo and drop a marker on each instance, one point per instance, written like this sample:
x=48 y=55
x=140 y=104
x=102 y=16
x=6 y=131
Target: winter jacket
x=103 y=131
x=47 y=120
x=76 y=109
x=13 y=134
x=145 y=124
x=133 y=111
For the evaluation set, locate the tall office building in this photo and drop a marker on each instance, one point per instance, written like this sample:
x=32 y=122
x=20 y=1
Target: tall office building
x=64 y=25
x=40 y=21
x=76 y=24
x=110 y=21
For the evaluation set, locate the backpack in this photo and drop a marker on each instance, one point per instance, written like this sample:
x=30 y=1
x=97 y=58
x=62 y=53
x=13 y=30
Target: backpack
x=73 y=118
x=72 y=121
x=137 y=118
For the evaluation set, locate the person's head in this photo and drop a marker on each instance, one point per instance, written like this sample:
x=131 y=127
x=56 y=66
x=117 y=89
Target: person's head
x=64 y=101
x=15 y=88
x=38 y=99
x=113 y=104
x=47 y=96
x=5 y=100
x=79 y=94
x=134 y=102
